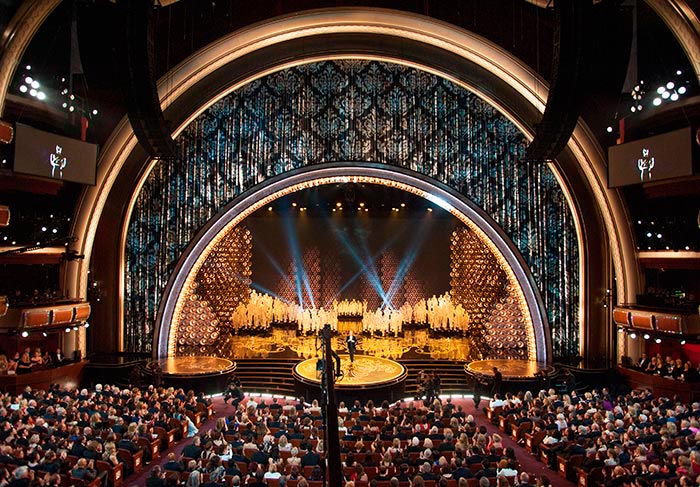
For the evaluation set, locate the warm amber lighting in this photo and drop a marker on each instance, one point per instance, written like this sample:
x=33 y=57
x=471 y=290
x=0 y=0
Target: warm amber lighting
x=515 y=302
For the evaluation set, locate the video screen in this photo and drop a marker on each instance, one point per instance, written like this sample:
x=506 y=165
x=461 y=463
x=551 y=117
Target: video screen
x=652 y=159
x=48 y=155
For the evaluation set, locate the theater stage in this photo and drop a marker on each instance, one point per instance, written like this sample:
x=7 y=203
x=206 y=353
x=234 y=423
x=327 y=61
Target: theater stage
x=510 y=369
x=368 y=377
x=518 y=375
x=204 y=373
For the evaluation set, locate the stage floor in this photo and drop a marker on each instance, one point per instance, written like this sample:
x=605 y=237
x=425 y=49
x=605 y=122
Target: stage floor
x=366 y=371
x=510 y=369
x=412 y=344
x=194 y=366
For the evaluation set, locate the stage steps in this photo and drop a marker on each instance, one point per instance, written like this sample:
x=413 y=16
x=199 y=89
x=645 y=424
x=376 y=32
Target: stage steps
x=274 y=375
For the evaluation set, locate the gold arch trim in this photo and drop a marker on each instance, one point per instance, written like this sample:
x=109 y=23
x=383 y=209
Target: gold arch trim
x=369 y=21
x=187 y=287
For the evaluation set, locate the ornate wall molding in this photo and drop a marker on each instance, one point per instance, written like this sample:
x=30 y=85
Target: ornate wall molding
x=474 y=49
x=683 y=21
x=17 y=35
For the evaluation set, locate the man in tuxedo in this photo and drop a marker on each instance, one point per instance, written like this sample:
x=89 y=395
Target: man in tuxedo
x=58 y=357
x=352 y=345
x=643 y=362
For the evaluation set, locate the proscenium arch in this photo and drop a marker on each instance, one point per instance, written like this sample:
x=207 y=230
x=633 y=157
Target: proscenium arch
x=447 y=51
x=441 y=195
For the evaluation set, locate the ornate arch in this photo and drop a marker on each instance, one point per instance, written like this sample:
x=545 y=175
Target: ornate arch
x=488 y=231
x=489 y=61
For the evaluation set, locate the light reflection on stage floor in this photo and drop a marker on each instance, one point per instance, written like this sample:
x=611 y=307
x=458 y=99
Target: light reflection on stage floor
x=413 y=344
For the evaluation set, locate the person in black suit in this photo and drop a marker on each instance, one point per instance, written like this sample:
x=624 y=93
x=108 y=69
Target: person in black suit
x=194 y=450
x=351 y=342
x=486 y=471
x=156 y=479
x=311 y=458
x=497 y=379
x=173 y=465
x=643 y=362
x=461 y=471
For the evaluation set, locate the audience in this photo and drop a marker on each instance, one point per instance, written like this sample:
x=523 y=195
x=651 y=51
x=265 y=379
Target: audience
x=634 y=438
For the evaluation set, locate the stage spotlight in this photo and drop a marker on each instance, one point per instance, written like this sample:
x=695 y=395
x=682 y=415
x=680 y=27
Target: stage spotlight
x=657 y=340
x=23 y=89
x=665 y=95
x=430 y=210
x=674 y=97
x=87 y=325
x=403 y=205
x=682 y=90
x=658 y=235
x=294 y=205
x=620 y=330
x=45 y=334
x=362 y=205
x=333 y=209
x=35 y=84
x=338 y=204
x=657 y=101
x=25 y=334
x=633 y=336
x=682 y=342
x=660 y=89
x=647 y=336
x=670 y=85
x=67 y=330
x=649 y=234
x=366 y=209
x=609 y=129
x=75 y=328
x=28 y=80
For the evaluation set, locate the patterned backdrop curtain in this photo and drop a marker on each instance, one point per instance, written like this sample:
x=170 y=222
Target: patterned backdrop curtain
x=335 y=111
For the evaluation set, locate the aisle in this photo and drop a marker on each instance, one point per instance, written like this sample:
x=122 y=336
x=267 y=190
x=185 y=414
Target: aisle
x=528 y=462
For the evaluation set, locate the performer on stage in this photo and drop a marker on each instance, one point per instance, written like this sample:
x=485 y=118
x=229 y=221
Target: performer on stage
x=352 y=343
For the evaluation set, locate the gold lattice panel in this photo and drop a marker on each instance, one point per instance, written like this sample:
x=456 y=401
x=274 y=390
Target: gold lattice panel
x=480 y=285
x=198 y=331
x=312 y=265
x=330 y=280
x=222 y=283
x=285 y=286
x=413 y=287
x=389 y=267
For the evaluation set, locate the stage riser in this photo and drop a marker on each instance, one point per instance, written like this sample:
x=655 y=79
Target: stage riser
x=274 y=376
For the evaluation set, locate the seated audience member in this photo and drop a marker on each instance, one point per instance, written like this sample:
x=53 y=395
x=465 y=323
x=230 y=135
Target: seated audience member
x=84 y=470
x=24 y=364
x=173 y=465
x=37 y=359
x=156 y=478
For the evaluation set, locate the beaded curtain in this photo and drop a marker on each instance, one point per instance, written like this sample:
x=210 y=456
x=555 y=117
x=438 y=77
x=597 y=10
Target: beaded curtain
x=352 y=110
